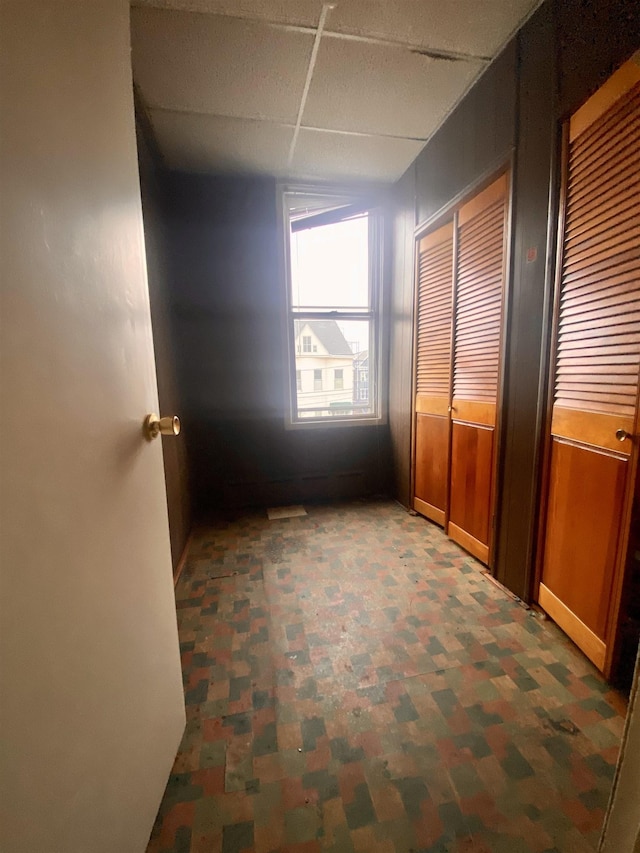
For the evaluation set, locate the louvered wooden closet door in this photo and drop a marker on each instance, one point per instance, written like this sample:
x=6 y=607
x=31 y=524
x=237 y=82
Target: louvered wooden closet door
x=433 y=372
x=597 y=355
x=477 y=345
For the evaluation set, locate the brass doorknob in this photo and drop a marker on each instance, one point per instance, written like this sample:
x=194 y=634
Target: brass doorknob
x=621 y=434
x=154 y=426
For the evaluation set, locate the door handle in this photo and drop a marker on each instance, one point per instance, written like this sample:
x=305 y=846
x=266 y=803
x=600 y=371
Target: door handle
x=154 y=426
x=622 y=434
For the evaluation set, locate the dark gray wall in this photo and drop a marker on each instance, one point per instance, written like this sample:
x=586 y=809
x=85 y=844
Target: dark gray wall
x=594 y=37
x=561 y=56
x=525 y=361
x=227 y=300
x=477 y=137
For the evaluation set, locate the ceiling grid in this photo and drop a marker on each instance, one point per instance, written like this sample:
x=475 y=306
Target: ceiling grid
x=342 y=91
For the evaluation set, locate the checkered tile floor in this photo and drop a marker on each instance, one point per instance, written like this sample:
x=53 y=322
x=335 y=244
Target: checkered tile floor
x=354 y=683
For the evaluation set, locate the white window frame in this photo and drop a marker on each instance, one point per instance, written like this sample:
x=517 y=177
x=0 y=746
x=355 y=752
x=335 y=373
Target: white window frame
x=374 y=315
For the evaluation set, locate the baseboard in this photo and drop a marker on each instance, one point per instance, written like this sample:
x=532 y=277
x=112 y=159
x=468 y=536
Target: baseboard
x=429 y=511
x=476 y=548
x=593 y=647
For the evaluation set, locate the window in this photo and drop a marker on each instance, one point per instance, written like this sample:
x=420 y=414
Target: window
x=333 y=259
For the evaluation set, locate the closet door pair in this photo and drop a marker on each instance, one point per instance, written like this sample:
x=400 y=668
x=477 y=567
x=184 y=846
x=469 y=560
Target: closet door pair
x=460 y=299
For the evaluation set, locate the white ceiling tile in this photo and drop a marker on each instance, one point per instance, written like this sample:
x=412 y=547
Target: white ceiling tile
x=206 y=63
x=380 y=90
x=340 y=156
x=478 y=27
x=296 y=12
x=216 y=144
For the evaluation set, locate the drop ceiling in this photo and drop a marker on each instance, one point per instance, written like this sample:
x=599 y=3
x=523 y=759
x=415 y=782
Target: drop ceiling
x=345 y=91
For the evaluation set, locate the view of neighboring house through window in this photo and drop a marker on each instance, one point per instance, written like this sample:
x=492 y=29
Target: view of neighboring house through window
x=333 y=275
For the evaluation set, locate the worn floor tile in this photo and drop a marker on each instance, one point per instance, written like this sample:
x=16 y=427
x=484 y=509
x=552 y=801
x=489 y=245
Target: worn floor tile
x=353 y=682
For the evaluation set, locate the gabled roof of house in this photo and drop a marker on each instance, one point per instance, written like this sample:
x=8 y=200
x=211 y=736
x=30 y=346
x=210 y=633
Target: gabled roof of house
x=328 y=333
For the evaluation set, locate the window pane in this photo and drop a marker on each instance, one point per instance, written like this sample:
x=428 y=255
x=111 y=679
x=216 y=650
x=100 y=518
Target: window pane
x=333 y=378
x=330 y=266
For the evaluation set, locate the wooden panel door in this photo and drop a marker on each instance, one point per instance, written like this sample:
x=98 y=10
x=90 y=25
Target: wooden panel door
x=596 y=358
x=476 y=367
x=433 y=372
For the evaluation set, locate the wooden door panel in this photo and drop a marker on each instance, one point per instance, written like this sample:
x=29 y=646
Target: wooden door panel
x=458 y=334
x=476 y=367
x=586 y=491
x=471 y=485
x=595 y=428
x=433 y=372
x=432 y=462
x=597 y=358
x=471 y=411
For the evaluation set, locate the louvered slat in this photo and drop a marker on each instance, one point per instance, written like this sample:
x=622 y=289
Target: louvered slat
x=598 y=351
x=479 y=304
x=435 y=284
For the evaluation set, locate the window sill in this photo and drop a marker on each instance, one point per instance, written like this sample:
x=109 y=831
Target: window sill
x=335 y=423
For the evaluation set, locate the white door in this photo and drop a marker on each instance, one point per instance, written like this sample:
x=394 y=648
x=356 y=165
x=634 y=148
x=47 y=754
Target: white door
x=92 y=708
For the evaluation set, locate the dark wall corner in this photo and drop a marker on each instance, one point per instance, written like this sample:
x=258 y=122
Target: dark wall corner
x=176 y=469
x=403 y=222
x=594 y=39
x=478 y=137
x=227 y=302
